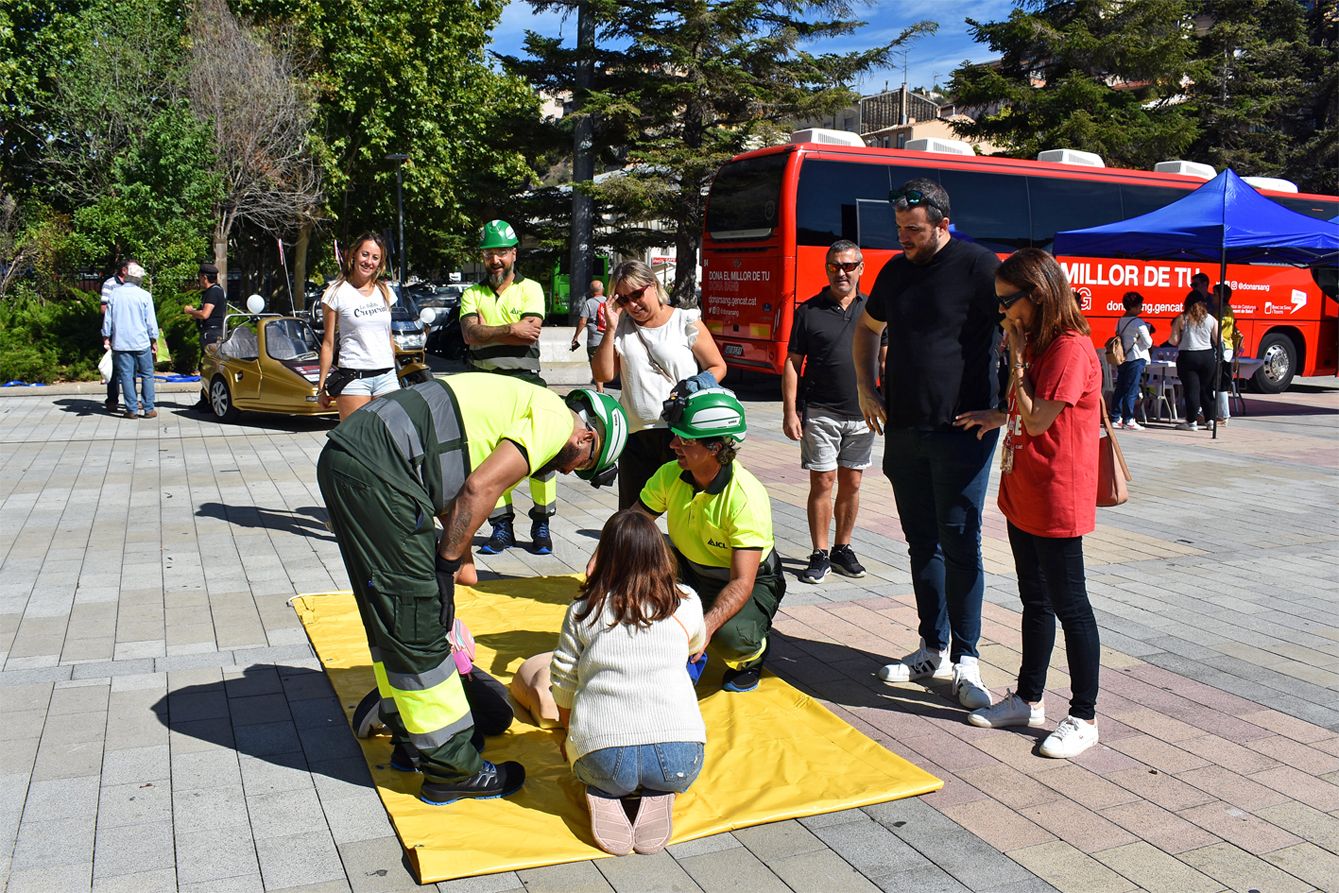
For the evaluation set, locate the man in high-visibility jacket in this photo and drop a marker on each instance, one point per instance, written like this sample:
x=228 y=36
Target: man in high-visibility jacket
x=500 y=320
x=447 y=448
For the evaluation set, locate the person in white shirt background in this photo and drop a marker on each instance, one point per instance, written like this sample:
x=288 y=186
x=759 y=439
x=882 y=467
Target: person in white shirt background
x=357 y=312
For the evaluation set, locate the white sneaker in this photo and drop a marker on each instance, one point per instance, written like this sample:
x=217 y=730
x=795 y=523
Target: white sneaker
x=1071 y=738
x=1132 y=425
x=1010 y=712
x=1188 y=426
x=967 y=685
x=919 y=664
x=1118 y=424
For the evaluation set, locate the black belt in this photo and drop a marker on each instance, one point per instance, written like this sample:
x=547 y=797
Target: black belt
x=363 y=373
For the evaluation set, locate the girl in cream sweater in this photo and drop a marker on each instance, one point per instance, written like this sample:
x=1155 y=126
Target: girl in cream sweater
x=635 y=734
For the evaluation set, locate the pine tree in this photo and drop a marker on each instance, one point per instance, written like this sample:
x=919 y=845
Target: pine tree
x=1104 y=76
x=680 y=86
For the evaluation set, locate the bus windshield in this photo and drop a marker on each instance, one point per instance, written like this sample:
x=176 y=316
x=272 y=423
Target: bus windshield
x=745 y=198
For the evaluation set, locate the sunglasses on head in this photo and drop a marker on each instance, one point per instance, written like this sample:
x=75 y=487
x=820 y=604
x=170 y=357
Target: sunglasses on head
x=1007 y=301
x=913 y=198
x=848 y=267
x=631 y=296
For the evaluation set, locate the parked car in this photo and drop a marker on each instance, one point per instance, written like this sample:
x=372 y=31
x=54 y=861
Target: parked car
x=265 y=362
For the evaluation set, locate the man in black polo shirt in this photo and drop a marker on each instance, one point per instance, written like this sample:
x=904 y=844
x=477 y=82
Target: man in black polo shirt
x=213 y=306
x=822 y=410
x=937 y=300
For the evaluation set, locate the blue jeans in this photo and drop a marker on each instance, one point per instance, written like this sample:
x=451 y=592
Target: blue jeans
x=939 y=482
x=1051 y=586
x=130 y=363
x=1128 y=376
x=661 y=768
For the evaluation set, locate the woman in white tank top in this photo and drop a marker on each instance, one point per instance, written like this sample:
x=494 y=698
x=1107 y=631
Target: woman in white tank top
x=1195 y=334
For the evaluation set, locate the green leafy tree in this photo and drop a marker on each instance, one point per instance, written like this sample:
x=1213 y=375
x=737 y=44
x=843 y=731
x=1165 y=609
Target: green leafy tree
x=691 y=84
x=408 y=76
x=1104 y=76
x=1263 y=87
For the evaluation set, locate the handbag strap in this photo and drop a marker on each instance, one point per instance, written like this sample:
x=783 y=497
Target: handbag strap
x=646 y=345
x=1115 y=444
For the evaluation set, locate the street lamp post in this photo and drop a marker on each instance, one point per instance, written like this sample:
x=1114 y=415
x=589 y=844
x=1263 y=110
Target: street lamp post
x=399 y=160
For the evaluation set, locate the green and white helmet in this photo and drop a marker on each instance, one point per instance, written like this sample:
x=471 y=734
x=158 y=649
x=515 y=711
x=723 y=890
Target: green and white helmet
x=611 y=422
x=712 y=412
x=497 y=234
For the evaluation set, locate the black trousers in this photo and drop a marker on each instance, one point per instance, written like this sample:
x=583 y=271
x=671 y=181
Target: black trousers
x=1195 y=369
x=646 y=451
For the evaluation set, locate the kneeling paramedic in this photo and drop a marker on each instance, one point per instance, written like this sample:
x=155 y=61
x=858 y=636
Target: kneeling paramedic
x=447 y=448
x=720 y=528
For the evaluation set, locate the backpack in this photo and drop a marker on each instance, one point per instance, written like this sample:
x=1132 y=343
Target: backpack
x=600 y=318
x=1115 y=351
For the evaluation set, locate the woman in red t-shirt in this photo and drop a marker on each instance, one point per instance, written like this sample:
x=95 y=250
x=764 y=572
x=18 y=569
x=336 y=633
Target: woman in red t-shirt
x=1048 y=491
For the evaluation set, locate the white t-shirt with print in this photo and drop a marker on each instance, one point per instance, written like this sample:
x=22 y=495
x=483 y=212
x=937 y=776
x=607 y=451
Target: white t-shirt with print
x=364 y=327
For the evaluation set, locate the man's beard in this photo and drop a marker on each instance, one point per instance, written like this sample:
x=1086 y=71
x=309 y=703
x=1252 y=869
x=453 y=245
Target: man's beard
x=566 y=456
x=497 y=277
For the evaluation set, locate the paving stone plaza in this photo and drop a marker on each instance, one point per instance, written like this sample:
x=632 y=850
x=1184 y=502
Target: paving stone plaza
x=166 y=726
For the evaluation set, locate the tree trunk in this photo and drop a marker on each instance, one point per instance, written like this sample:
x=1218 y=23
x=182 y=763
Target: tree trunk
x=300 y=265
x=581 y=266
x=221 y=227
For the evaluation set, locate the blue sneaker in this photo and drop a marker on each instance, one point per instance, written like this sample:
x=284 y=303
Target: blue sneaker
x=540 y=541
x=489 y=783
x=502 y=539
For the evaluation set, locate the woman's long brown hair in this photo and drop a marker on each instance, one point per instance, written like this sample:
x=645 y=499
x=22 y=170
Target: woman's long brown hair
x=351 y=259
x=1036 y=272
x=634 y=572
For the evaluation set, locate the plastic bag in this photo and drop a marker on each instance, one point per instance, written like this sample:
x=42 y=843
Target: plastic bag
x=105 y=366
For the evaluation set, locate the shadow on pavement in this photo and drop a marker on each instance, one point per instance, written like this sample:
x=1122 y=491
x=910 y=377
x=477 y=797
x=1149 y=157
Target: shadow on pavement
x=82 y=406
x=307 y=520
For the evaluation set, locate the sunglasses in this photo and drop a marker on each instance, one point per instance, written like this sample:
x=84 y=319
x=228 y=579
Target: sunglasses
x=914 y=198
x=631 y=296
x=848 y=267
x=1007 y=301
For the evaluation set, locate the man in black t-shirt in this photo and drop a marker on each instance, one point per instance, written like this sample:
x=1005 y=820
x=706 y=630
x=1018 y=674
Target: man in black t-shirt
x=213 y=306
x=937 y=301
x=822 y=410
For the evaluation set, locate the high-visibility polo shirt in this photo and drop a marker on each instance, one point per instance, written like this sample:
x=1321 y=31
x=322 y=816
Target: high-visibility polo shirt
x=707 y=525
x=412 y=438
x=524 y=297
x=497 y=409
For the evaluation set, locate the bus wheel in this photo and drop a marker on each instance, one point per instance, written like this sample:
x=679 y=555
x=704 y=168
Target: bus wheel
x=1280 y=364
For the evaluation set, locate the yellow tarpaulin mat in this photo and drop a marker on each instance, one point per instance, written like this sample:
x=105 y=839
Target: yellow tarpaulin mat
x=772 y=754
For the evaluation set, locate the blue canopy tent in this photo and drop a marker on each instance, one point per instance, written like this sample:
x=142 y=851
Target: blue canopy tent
x=1225 y=220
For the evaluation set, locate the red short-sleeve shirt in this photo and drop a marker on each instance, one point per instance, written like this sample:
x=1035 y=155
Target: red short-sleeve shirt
x=1051 y=489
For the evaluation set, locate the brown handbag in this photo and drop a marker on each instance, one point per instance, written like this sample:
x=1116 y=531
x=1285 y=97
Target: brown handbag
x=1112 y=472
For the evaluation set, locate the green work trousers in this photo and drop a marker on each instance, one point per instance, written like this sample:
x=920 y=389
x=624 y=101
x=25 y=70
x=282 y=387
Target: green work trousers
x=388 y=544
x=741 y=639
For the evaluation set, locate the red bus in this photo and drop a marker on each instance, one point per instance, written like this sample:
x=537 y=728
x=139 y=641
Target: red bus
x=772 y=213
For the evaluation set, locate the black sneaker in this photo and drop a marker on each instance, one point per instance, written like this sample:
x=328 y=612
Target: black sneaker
x=747 y=679
x=489 y=783
x=818 y=568
x=502 y=539
x=845 y=562
x=402 y=760
x=541 y=543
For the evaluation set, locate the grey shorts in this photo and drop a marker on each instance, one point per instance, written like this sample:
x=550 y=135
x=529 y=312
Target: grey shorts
x=830 y=442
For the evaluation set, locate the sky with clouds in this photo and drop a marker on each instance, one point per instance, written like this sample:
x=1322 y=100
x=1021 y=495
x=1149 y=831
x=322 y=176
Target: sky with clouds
x=928 y=58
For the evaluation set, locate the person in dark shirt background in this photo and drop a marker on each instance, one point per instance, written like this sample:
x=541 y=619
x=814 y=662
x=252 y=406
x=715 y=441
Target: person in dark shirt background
x=937 y=301
x=822 y=410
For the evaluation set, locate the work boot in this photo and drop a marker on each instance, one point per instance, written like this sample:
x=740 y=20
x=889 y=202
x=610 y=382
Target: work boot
x=502 y=538
x=402 y=760
x=489 y=783
x=540 y=541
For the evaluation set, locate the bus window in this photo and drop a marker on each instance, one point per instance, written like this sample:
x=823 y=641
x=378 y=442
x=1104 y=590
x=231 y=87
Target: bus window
x=1311 y=207
x=1070 y=204
x=989 y=209
x=827 y=201
x=876 y=227
x=745 y=196
x=1137 y=200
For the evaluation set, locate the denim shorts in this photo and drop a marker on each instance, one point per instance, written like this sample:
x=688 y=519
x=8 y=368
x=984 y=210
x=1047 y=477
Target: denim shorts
x=376 y=386
x=619 y=771
x=830 y=441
